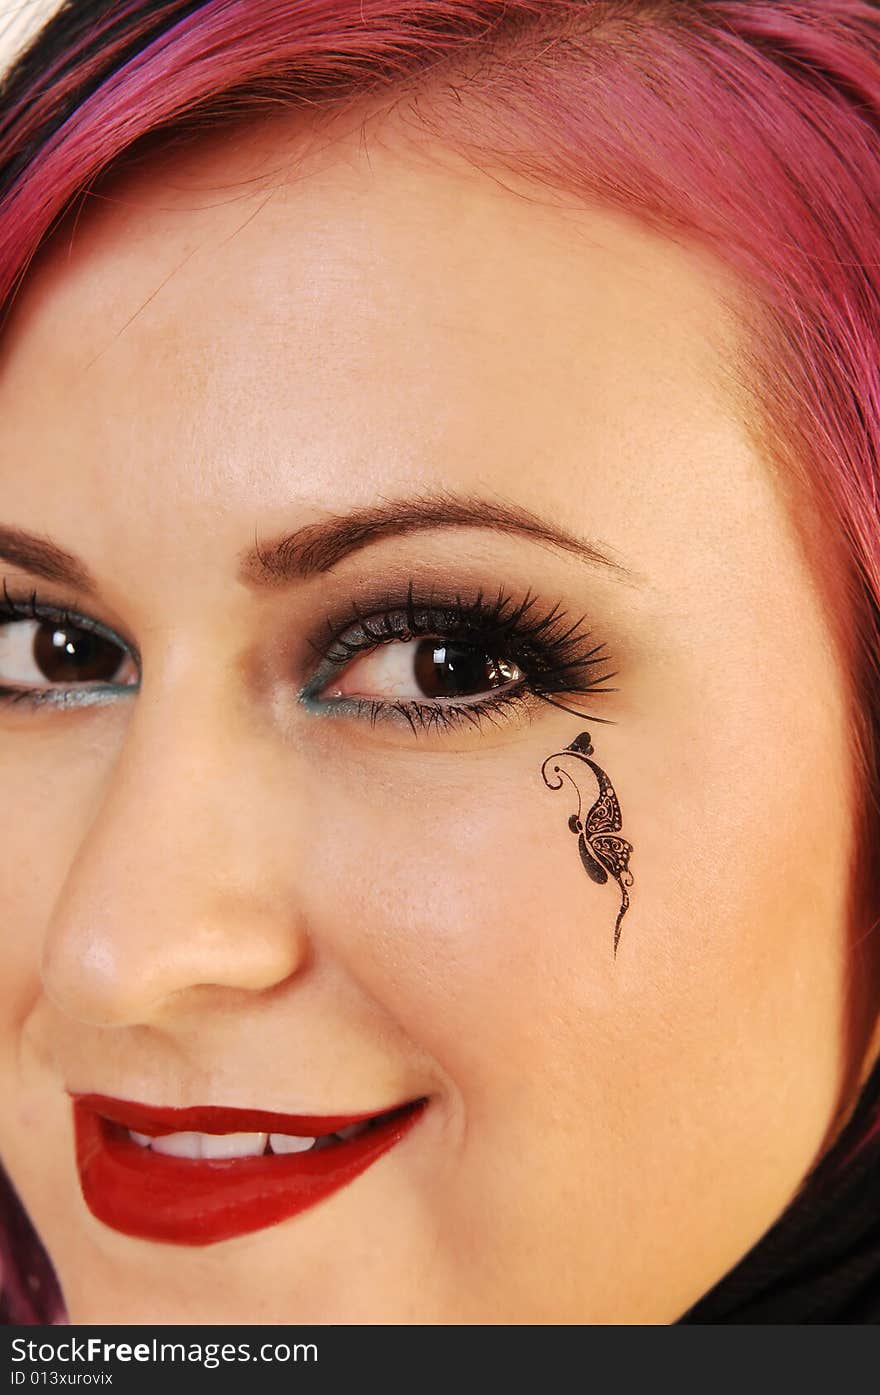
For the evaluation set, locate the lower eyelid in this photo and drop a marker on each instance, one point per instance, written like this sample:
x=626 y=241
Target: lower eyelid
x=436 y=715
x=474 y=700
x=39 y=698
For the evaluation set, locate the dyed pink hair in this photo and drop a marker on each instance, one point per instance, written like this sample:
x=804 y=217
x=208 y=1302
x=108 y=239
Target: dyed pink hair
x=746 y=127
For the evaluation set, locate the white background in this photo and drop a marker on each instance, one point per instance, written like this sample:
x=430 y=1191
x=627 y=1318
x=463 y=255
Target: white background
x=18 y=21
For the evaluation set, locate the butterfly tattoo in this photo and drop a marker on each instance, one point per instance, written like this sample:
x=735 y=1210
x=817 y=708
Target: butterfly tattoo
x=603 y=852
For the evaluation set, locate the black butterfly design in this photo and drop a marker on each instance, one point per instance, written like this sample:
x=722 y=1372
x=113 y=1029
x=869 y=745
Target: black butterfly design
x=603 y=852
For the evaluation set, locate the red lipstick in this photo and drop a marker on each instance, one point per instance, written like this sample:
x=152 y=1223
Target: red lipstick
x=198 y=1201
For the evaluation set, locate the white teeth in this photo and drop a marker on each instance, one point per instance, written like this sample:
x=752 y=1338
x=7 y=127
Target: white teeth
x=233 y=1145
x=179 y=1145
x=240 y=1145
x=289 y=1143
x=353 y=1130
x=206 y=1145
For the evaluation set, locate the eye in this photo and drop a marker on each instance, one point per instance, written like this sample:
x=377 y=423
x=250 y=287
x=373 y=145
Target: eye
x=424 y=669
x=432 y=661
x=43 y=651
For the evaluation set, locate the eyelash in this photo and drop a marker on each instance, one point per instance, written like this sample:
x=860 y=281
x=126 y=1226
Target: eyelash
x=555 y=655
x=13 y=608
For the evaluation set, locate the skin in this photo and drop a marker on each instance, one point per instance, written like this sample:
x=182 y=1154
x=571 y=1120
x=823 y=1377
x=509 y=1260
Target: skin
x=212 y=894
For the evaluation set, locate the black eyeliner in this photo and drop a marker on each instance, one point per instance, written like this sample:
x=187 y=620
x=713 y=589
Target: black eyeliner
x=557 y=655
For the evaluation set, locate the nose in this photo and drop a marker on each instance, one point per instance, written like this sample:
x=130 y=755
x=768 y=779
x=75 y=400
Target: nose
x=187 y=874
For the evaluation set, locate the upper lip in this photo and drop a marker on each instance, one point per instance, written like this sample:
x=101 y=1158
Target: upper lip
x=210 y=1118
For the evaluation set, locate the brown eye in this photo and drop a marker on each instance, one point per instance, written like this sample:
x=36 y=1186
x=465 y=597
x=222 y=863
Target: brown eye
x=451 y=669
x=36 y=654
x=66 y=654
x=424 y=669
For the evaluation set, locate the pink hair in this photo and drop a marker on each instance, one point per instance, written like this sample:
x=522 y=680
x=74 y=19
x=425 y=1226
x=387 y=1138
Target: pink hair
x=746 y=127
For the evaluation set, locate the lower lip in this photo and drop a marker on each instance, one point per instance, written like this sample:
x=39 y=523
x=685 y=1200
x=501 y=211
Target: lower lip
x=189 y=1201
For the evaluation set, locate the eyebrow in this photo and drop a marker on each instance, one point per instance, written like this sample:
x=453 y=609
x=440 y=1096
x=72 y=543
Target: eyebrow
x=317 y=547
x=41 y=557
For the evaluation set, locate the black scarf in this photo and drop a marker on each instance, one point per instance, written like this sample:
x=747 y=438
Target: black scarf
x=820 y=1261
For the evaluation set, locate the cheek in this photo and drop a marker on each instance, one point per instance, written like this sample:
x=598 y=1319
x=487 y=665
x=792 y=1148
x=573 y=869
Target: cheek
x=457 y=898
x=57 y=778
x=455 y=893
x=727 y=1013
x=37 y=848
x=461 y=904
x=56 y=782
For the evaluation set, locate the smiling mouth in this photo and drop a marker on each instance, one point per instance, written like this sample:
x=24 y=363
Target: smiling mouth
x=196 y=1176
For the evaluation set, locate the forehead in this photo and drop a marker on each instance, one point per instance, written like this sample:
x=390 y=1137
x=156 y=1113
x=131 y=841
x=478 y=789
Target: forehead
x=273 y=228
x=269 y=319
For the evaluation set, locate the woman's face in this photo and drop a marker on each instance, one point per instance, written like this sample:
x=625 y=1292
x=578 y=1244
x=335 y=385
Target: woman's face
x=251 y=862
